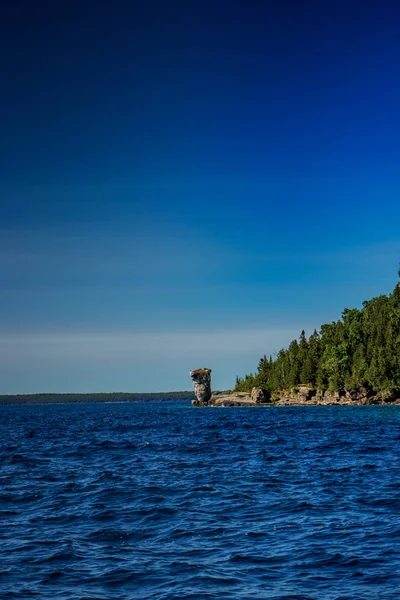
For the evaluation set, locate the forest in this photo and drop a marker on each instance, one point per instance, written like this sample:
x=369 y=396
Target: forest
x=361 y=349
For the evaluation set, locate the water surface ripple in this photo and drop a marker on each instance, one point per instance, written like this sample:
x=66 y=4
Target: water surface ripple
x=163 y=501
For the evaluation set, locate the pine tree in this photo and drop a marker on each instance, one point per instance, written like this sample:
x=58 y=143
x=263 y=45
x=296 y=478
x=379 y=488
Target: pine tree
x=360 y=349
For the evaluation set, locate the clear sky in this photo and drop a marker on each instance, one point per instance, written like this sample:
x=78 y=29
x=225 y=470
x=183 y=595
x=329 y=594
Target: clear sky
x=189 y=183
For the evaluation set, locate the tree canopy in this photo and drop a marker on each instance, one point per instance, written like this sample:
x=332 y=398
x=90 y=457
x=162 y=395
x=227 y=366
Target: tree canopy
x=360 y=349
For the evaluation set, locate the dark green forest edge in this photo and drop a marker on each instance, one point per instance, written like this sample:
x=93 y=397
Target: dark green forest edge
x=104 y=397
x=353 y=360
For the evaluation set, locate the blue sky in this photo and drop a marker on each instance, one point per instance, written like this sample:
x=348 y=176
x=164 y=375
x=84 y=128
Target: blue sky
x=183 y=185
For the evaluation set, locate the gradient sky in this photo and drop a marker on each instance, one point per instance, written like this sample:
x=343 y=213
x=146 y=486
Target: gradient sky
x=188 y=184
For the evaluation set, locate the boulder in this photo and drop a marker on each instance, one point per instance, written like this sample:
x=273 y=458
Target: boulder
x=260 y=396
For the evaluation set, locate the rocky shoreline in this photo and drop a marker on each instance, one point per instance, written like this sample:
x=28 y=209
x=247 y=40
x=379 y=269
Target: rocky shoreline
x=303 y=395
x=327 y=399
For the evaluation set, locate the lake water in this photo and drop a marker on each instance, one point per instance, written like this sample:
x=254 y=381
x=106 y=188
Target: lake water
x=164 y=501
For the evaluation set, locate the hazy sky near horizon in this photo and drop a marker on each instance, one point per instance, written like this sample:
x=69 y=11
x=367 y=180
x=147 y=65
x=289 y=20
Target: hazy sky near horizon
x=188 y=184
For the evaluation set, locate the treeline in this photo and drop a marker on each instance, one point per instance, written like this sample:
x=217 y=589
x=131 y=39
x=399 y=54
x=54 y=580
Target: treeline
x=360 y=349
x=102 y=397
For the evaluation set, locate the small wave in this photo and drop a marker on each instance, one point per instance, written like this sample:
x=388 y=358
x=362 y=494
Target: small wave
x=151 y=501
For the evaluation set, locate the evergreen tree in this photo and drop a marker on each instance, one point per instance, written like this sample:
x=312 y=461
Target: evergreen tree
x=360 y=349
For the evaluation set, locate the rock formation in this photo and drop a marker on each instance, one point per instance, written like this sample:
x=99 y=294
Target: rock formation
x=301 y=395
x=260 y=396
x=231 y=399
x=202 y=386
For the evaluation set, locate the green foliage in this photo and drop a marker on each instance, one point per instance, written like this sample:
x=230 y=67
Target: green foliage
x=246 y=384
x=360 y=349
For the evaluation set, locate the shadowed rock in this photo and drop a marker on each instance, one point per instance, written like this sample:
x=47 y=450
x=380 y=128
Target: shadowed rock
x=202 y=386
x=260 y=396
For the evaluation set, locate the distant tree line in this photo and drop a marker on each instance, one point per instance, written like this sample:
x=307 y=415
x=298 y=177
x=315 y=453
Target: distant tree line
x=101 y=397
x=360 y=349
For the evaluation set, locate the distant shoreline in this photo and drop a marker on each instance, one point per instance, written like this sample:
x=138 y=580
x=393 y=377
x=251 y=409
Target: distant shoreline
x=105 y=397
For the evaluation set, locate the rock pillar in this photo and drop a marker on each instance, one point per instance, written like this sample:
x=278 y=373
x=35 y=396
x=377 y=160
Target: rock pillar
x=202 y=386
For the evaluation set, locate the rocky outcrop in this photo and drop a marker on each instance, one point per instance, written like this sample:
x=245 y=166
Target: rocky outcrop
x=202 y=386
x=231 y=399
x=301 y=395
x=260 y=396
x=356 y=397
x=387 y=397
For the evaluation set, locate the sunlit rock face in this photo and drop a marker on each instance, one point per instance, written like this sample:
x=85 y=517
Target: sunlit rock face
x=202 y=386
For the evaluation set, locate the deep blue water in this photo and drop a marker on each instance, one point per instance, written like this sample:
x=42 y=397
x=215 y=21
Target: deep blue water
x=165 y=501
